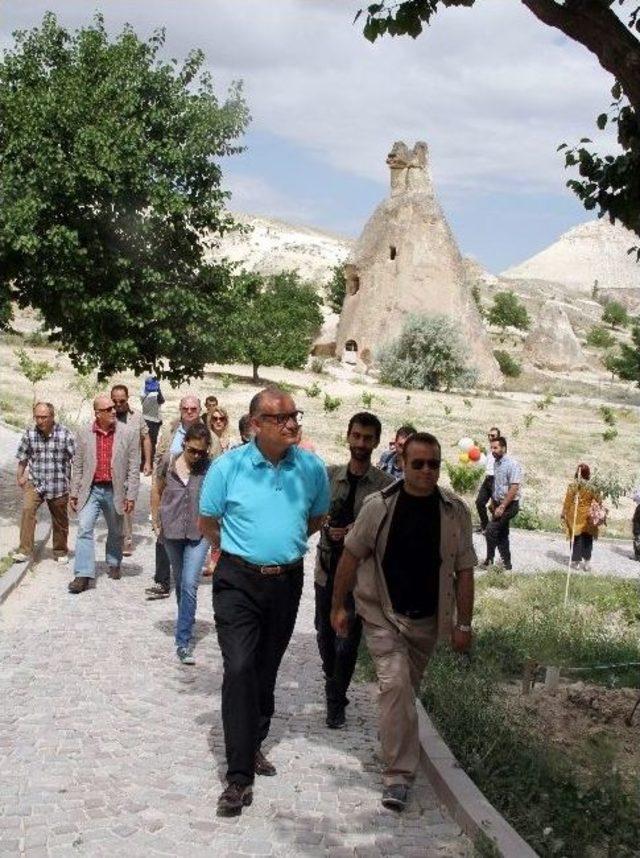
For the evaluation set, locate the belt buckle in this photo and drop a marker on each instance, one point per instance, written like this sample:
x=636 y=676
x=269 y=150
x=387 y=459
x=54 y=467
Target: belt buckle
x=270 y=570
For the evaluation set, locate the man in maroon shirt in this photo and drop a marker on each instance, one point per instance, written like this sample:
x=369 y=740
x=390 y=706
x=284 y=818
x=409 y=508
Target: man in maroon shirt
x=106 y=477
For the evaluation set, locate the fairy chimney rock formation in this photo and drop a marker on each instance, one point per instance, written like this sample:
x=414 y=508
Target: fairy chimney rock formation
x=407 y=261
x=552 y=343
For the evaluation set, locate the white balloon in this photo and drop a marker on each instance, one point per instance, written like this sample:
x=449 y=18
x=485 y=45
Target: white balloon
x=482 y=461
x=465 y=444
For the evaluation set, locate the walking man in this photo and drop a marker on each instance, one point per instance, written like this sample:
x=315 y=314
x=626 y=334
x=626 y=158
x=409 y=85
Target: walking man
x=46 y=449
x=106 y=476
x=259 y=503
x=505 y=502
x=486 y=489
x=410 y=557
x=135 y=422
x=391 y=460
x=350 y=484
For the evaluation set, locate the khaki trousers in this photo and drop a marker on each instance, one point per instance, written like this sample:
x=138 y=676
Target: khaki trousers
x=400 y=658
x=58 y=507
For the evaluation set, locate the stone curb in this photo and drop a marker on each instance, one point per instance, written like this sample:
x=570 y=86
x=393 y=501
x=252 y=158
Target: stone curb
x=15 y=573
x=462 y=798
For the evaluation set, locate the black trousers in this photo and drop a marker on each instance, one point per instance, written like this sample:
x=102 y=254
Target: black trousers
x=635 y=527
x=338 y=655
x=163 y=568
x=254 y=617
x=497 y=534
x=482 y=499
x=582 y=547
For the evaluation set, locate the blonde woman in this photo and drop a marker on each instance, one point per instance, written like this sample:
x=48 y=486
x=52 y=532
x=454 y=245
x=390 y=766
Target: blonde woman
x=218 y=423
x=577 y=515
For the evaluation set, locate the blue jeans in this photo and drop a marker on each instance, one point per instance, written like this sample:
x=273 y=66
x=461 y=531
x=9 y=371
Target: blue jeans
x=186 y=557
x=100 y=501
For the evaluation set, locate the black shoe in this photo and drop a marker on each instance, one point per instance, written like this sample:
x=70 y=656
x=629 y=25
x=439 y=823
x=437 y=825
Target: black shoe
x=336 y=718
x=394 y=797
x=234 y=798
x=262 y=766
x=157 y=591
x=507 y=567
x=79 y=585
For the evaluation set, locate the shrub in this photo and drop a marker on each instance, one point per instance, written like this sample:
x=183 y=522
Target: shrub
x=528 y=420
x=508 y=311
x=336 y=289
x=428 y=354
x=331 y=403
x=615 y=314
x=475 y=294
x=463 y=478
x=317 y=365
x=528 y=518
x=600 y=337
x=609 y=434
x=607 y=414
x=366 y=398
x=509 y=366
x=226 y=381
x=314 y=390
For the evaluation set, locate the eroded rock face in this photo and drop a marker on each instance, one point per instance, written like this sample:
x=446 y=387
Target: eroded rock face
x=552 y=343
x=407 y=261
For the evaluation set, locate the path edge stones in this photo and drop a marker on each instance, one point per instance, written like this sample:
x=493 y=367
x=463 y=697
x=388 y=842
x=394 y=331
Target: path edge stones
x=467 y=805
x=16 y=572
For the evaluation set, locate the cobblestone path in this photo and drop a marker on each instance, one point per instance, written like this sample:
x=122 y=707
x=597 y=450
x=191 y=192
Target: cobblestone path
x=108 y=746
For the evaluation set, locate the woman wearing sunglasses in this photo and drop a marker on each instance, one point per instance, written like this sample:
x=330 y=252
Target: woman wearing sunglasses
x=175 y=498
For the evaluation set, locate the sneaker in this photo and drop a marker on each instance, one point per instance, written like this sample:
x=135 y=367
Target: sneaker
x=185 y=654
x=157 y=591
x=234 y=798
x=19 y=557
x=63 y=558
x=394 y=797
x=336 y=718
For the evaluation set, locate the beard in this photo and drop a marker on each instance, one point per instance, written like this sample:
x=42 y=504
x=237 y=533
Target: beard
x=360 y=455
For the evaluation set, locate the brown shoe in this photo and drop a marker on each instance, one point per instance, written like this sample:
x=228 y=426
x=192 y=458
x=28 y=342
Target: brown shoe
x=127 y=549
x=79 y=584
x=234 y=798
x=262 y=766
x=114 y=572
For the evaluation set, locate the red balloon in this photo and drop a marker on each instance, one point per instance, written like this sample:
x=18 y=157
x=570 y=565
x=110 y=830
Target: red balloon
x=474 y=454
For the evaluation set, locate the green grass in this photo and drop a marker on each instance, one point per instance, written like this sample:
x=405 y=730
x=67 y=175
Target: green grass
x=6 y=562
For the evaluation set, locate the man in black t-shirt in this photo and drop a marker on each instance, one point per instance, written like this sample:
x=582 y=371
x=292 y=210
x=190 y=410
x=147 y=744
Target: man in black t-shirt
x=350 y=485
x=410 y=558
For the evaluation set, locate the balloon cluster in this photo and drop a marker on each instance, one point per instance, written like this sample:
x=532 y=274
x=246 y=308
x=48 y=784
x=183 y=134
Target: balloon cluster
x=470 y=454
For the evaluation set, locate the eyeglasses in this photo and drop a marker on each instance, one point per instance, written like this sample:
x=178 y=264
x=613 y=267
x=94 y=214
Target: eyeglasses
x=419 y=464
x=110 y=408
x=283 y=418
x=195 y=451
x=219 y=419
x=189 y=408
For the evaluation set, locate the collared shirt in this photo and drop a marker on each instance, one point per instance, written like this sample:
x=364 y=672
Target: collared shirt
x=389 y=465
x=49 y=459
x=178 y=440
x=179 y=505
x=104 y=452
x=265 y=508
x=506 y=473
x=490 y=466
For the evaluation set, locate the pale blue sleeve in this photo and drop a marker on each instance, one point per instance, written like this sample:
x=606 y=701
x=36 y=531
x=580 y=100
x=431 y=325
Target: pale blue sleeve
x=213 y=496
x=322 y=498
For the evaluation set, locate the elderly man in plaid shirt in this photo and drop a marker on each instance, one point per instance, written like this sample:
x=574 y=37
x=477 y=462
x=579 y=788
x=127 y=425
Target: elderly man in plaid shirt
x=46 y=449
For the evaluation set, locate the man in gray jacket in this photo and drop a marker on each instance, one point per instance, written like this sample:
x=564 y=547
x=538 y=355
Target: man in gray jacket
x=106 y=477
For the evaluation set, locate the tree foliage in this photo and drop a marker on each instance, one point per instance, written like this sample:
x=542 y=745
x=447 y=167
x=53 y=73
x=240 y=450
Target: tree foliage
x=600 y=337
x=625 y=361
x=609 y=183
x=507 y=311
x=33 y=370
x=337 y=289
x=615 y=314
x=428 y=355
x=273 y=322
x=110 y=182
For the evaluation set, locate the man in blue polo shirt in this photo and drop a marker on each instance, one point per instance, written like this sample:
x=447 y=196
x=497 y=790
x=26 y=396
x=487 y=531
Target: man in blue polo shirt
x=259 y=503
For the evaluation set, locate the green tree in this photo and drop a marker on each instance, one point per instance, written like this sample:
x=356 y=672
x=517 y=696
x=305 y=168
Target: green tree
x=110 y=183
x=337 y=289
x=615 y=314
x=507 y=311
x=625 y=362
x=477 y=300
x=428 y=355
x=33 y=370
x=600 y=337
x=274 y=321
x=610 y=183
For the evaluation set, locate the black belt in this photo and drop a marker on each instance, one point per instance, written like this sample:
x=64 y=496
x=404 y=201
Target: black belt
x=102 y=483
x=415 y=615
x=267 y=570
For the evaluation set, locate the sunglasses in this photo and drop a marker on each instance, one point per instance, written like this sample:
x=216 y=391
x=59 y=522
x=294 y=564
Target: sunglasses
x=283 y=419
x=419 y=464
x=110 y=408
x=219 y=419
x=195 y=451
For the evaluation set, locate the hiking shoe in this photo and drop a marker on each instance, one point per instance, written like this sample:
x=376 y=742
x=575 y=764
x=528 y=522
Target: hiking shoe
x=114 y=573
x=157 y=591
x=185 y=654
x=234 y=798
x=262 y=766
x=79 y=584
x=336 y=718
x=19 y=557
x=394 y=797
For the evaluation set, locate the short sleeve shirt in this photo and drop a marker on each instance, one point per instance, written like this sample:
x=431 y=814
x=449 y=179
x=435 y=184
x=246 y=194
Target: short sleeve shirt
x=506 y=473
x=49 y=459
x=264 y=508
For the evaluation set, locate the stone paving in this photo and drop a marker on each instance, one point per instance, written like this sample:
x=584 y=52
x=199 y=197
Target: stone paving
x=110 y=747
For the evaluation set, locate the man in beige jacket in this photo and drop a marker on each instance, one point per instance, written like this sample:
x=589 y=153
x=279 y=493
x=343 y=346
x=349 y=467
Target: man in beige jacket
x=410 y=558
x=105 y=478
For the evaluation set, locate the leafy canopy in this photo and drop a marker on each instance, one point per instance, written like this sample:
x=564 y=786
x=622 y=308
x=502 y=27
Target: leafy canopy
x=110 y=181
x=337 y=289
x=428 y=355
x=615 y=314
x=507 y=311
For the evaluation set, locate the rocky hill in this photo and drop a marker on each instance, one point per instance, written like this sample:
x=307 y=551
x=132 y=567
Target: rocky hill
x=270 y=246
x=593 y=253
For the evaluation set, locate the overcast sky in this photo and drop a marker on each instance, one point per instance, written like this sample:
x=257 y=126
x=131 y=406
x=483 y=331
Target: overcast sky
x=491 y=90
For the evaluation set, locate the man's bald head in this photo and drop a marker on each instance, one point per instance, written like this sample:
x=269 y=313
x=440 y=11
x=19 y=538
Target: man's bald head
x=189 y=409
x=104 y=410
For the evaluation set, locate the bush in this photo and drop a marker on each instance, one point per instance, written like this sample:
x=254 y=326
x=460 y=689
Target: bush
x=477 y=300
x=367 y=398
x=609 y=434
x=336 y=289
x=509 y=366
x=508 y=311
x=528 y=518
x=428 y=355
x=607 y=414
x=314 y=390
x=226 y=381
x=463 y=478
x=331 y=403
x=615 y=314
x=600 y=337
x=317 y=365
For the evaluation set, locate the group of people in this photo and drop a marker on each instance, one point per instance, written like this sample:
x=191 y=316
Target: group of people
x=394 y=561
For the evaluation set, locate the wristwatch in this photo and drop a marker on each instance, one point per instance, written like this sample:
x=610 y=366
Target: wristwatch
x=463 y=628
